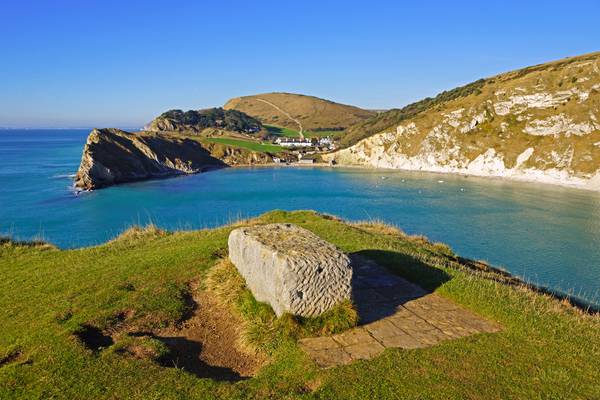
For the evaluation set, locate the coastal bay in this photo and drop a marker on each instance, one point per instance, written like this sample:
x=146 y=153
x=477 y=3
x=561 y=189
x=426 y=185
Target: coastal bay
x=546 y=234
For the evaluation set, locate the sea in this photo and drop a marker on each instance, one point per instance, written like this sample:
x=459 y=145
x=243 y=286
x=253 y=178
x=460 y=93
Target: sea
x=547 y=235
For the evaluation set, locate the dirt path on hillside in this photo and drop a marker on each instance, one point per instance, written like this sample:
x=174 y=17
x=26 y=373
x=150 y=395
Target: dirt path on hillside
x=300 y=131
x=206 y=344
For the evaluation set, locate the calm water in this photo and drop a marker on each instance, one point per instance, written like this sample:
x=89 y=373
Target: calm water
x=546 y=234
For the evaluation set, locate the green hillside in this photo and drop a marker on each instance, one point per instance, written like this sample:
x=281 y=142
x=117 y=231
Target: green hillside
x=103 y=322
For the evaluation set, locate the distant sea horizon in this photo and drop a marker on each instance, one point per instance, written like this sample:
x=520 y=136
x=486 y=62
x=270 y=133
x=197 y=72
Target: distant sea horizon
x=8 y=128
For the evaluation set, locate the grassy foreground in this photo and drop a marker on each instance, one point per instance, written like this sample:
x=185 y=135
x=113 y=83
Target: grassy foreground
x=547 y=349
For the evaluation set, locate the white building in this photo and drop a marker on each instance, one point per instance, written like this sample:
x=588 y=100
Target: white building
x=325 y=141
x=293 y=142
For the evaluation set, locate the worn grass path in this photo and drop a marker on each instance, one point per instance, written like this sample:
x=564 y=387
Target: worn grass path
x=275 y=106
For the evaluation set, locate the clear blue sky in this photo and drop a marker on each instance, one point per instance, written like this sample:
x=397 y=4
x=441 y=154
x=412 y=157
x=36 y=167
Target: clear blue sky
x=119 y=63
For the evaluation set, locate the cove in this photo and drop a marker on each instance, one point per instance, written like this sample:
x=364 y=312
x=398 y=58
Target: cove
x=545 y=234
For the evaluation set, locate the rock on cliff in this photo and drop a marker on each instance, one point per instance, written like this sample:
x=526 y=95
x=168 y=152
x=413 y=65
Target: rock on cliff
x=291 y=268
x=540 y=123
x=113 y=156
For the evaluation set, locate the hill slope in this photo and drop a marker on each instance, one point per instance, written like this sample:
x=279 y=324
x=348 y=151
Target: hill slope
x=297 y=111
x=538 y=123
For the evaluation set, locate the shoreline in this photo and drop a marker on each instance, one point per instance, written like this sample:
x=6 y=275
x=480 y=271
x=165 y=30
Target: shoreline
x=498 y=178
x=522 y=179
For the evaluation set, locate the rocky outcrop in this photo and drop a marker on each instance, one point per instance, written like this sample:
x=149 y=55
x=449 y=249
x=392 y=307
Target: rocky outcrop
x=537 y=124
x=290 y=268
x=112 y=156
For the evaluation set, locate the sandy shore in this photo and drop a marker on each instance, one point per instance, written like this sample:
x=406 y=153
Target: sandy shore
x=577 y=183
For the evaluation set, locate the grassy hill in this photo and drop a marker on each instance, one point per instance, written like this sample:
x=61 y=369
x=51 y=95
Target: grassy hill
x=540 y=122
x=287 y=110
x=104 y=321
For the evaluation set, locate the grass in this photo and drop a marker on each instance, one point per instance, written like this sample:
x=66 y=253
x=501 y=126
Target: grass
x=287 y=132
x=313 y=112
x=247 y=144
x=547 y=348
x=262 y=330
x=319 y=134
x=280 y=131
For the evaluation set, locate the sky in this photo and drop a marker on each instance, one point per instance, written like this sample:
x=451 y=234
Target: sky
x=120 y=63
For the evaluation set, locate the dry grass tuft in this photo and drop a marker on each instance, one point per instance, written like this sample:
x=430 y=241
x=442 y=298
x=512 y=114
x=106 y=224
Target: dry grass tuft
x=6 y=242
x=378 y=226
x=225 y=282
x=137 y=232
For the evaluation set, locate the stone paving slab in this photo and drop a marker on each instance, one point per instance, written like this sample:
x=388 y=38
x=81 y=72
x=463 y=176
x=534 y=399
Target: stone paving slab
x=394 y=313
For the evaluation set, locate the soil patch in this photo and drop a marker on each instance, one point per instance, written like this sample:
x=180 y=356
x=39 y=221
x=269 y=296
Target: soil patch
x=206 y=343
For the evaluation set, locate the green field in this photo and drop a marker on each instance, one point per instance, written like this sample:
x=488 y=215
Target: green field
x=279 y=131
x=246 y=144
x=546 y=350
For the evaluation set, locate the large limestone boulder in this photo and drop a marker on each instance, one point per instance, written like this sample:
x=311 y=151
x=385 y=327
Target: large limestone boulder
x=291 y=268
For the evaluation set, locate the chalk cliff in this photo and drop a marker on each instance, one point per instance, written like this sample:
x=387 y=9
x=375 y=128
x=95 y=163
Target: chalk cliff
x=540 y=123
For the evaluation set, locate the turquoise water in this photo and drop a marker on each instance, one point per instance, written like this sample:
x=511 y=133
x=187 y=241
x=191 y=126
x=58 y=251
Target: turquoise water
x=546 y=234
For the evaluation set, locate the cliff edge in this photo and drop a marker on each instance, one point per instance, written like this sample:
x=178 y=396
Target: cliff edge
x=112 y=156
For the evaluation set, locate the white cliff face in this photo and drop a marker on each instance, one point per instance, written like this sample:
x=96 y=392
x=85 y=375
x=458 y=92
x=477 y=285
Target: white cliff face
x=523 y=157
x=488 y=163
x=525 y=132
x=556 y=125
x=519 y=103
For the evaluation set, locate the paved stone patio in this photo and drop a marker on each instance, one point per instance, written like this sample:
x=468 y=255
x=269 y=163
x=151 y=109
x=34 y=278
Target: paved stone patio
x=394 y=313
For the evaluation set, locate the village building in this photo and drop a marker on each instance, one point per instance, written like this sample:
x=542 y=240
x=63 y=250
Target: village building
x=325 y=141
x=293 y=142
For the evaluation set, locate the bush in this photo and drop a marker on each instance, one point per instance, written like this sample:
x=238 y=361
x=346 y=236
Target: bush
x=231 y=120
